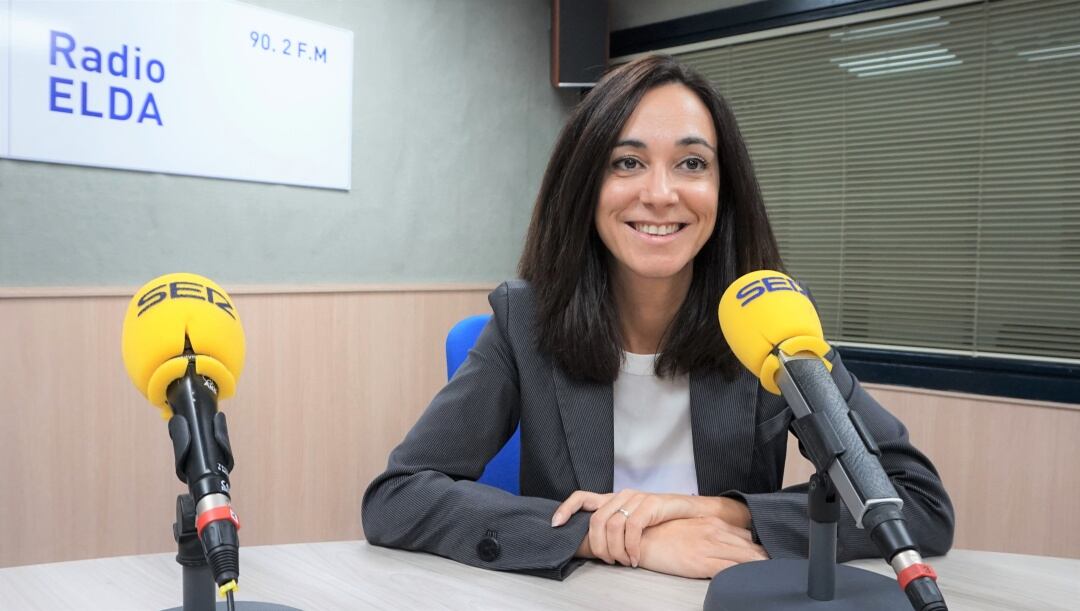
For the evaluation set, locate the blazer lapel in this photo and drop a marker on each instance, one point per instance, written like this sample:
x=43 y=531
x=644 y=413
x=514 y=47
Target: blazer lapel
x=587 y=419
x=722 y=416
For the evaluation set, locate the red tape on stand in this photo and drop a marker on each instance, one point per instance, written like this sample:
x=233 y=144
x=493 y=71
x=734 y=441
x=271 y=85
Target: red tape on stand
x=223 y=512
x=914 y=572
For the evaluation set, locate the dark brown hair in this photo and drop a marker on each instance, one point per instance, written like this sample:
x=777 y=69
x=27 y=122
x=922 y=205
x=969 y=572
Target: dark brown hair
x=567 y=263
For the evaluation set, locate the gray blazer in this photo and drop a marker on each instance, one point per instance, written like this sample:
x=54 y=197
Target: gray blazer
x=427 y=498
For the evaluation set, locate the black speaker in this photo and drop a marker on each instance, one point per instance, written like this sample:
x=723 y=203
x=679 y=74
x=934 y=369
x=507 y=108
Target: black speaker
x=579 y=42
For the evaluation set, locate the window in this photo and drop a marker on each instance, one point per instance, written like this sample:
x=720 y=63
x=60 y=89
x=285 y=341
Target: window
x=923 y=173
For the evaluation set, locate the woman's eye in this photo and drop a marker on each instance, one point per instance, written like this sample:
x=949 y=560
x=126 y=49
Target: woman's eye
x=695 y=164
x=627 y=163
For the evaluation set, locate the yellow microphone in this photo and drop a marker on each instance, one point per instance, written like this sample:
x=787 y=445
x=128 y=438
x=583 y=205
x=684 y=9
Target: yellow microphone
x=169 y=311
x=764 y=312
x=183 y=348
x=773 y=329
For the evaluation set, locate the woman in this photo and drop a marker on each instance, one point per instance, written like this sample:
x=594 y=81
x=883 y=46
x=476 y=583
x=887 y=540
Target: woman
x=643 y=442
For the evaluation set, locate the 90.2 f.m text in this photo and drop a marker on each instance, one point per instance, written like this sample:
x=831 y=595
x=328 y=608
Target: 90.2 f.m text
x=288 y=47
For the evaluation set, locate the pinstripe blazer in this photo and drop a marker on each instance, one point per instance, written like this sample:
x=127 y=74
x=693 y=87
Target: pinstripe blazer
x=427 y=498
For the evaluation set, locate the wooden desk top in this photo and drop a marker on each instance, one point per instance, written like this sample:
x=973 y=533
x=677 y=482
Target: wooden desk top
x=353 y=575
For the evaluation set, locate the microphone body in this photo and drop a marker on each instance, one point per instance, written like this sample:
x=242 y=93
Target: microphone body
x=856 y=472
x=773 y=329
x=203 y=457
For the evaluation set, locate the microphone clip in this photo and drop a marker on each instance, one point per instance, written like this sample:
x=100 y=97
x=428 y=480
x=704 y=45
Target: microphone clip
x=819 y=439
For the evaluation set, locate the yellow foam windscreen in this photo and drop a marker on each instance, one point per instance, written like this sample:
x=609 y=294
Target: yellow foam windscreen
x=161 y=315
x=764 y=311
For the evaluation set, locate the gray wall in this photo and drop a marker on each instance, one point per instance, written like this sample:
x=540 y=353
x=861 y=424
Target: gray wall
x=454 y=118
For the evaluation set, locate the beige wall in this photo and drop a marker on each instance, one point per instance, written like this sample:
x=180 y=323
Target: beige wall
x=1010 y=466
x=333 y=380
x=331 y=383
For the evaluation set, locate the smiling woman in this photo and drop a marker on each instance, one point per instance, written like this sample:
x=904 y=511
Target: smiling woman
x=643 y=442
x=653 y=144
x=658 y=201
x=657 y=205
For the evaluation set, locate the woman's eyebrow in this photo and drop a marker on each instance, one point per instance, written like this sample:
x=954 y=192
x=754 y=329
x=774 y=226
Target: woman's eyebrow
x=687 y=141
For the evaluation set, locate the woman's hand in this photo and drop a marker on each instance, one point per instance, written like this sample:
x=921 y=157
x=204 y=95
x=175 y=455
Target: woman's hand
x=619 y=519
x=697 y=547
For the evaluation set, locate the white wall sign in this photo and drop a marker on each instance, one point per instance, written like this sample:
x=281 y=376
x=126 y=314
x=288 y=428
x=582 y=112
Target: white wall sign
x=216 y=89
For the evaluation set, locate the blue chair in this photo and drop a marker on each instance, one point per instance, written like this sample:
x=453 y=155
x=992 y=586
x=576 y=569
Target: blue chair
x=502 y=470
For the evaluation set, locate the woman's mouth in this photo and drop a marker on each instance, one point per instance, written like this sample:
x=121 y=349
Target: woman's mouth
x=657 y=230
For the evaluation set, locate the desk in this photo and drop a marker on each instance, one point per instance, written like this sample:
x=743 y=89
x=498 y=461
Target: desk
x=353 y=575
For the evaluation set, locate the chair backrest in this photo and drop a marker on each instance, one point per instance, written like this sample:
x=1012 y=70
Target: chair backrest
x=502 y=470
x=460 y=340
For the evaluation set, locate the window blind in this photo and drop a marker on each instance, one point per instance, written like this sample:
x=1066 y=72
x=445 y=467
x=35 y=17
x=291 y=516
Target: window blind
x=922 y=173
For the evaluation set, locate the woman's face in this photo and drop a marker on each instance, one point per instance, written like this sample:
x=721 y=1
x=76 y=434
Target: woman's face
x=658 y=200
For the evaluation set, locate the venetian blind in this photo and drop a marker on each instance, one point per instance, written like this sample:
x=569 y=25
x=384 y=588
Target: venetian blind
x=922 y=173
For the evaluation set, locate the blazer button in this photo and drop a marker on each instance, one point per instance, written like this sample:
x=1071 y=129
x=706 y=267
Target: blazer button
x=489 y=547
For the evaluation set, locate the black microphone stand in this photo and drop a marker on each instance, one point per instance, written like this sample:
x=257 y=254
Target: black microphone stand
x=199 y=586
x=198 y=580
x=819 y=583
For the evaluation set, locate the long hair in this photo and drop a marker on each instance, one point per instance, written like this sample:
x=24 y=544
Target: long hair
x=567 y=263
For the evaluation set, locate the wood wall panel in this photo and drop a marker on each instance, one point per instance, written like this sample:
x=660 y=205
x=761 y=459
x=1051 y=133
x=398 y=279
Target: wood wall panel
x=1010 y=466
x=333 y=380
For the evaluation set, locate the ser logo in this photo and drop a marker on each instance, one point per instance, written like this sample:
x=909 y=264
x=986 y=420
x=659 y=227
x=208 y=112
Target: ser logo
x=768 y=284
x=184 y=290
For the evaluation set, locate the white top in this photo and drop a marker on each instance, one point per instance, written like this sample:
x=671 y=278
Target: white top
x=654 y=448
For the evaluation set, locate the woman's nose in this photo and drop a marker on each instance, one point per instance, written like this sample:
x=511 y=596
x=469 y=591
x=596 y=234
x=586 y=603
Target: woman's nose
x=658 y=191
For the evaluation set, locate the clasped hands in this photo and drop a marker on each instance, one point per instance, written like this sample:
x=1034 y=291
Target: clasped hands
x=689 y=536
